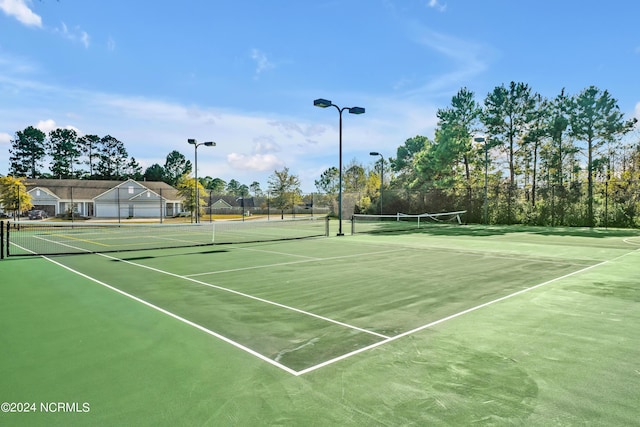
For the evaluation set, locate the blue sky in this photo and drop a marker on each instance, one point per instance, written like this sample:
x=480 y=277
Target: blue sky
x=244 y=73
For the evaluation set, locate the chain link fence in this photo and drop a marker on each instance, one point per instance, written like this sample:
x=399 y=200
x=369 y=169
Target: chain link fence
x=614 y=204
x=90 y=199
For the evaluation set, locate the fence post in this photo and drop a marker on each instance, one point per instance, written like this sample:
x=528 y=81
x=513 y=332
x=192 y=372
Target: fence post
x=161 y=206
x=1 y=239
x=73 y=209
x=7 y=239
x=606 y=203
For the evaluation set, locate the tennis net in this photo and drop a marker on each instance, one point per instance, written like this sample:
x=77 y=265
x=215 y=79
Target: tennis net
x=51 y=238
x=361 y=223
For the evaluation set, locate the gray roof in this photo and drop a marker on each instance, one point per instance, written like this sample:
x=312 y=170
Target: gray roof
x=233 y=201
x=88 y=189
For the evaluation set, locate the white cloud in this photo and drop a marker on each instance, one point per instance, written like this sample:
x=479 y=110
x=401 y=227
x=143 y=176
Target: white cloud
x=435 y=4
x=19 y=10
x=250 y=145
x=12 y=65
x=637 y=114
x=84 y=38
x=292 y=129
x=468 y=59
x=5 y=138
x=255 y=162
x=76 y=35
x=111 y=44
x=48 y=125
x=262 y=62
x=262 y=158
x=265 y=145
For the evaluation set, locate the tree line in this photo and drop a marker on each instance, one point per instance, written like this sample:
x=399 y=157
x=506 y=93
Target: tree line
x=558 y=161
x=515 y=157
x=70 y=156
x=92 y=157
x=104 y=157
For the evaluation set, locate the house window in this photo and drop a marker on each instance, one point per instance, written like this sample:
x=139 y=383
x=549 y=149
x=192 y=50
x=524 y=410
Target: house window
x=37 y=192
x=148 y=194
x=131 y=189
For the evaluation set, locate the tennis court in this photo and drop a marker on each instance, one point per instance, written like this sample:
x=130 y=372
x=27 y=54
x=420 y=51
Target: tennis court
x=448 y=324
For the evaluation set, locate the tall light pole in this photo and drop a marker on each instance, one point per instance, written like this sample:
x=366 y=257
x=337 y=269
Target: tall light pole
x=375 y=153
x=196 y=144
x=486 y=176
x=241 y=198
x=324 y=103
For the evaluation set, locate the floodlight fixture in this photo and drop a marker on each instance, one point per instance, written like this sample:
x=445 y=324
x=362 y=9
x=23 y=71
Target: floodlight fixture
x=322 y=103
x=195 y=144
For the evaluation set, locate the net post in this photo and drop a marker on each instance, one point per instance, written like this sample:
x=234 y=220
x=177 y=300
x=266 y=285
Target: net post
x=1 y=239
x=7 y=239
x=326 y=226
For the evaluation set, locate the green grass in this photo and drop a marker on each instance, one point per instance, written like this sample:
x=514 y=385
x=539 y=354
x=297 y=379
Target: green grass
x=564 y=353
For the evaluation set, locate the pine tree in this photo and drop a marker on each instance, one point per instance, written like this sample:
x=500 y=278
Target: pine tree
x=64 y=152
x=27 y=153
x=596 y=119
x=89 y=145
x=113 y=157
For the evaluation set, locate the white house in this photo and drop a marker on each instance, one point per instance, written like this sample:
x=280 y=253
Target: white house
x=104 y=199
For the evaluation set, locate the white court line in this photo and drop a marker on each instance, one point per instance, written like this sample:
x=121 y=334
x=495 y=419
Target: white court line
x=453 y=316
x=108 y=245
x=279 y=253
x=266 y=301
x=92 y=242
x=630 y=241
x=181 y=319
x=339 y=358
x=52 y=241
x=195 y=325
x=297 y=310
x=479 y=253
x=254 y=267
x=170 y=314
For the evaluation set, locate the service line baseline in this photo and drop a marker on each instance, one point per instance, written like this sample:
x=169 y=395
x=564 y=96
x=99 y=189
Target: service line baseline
x=384 y=339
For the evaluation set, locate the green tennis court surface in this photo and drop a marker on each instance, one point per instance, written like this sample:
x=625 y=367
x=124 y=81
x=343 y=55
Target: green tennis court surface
x=443 y=325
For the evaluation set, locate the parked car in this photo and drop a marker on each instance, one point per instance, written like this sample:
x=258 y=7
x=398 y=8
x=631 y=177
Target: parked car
x=36 y=214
